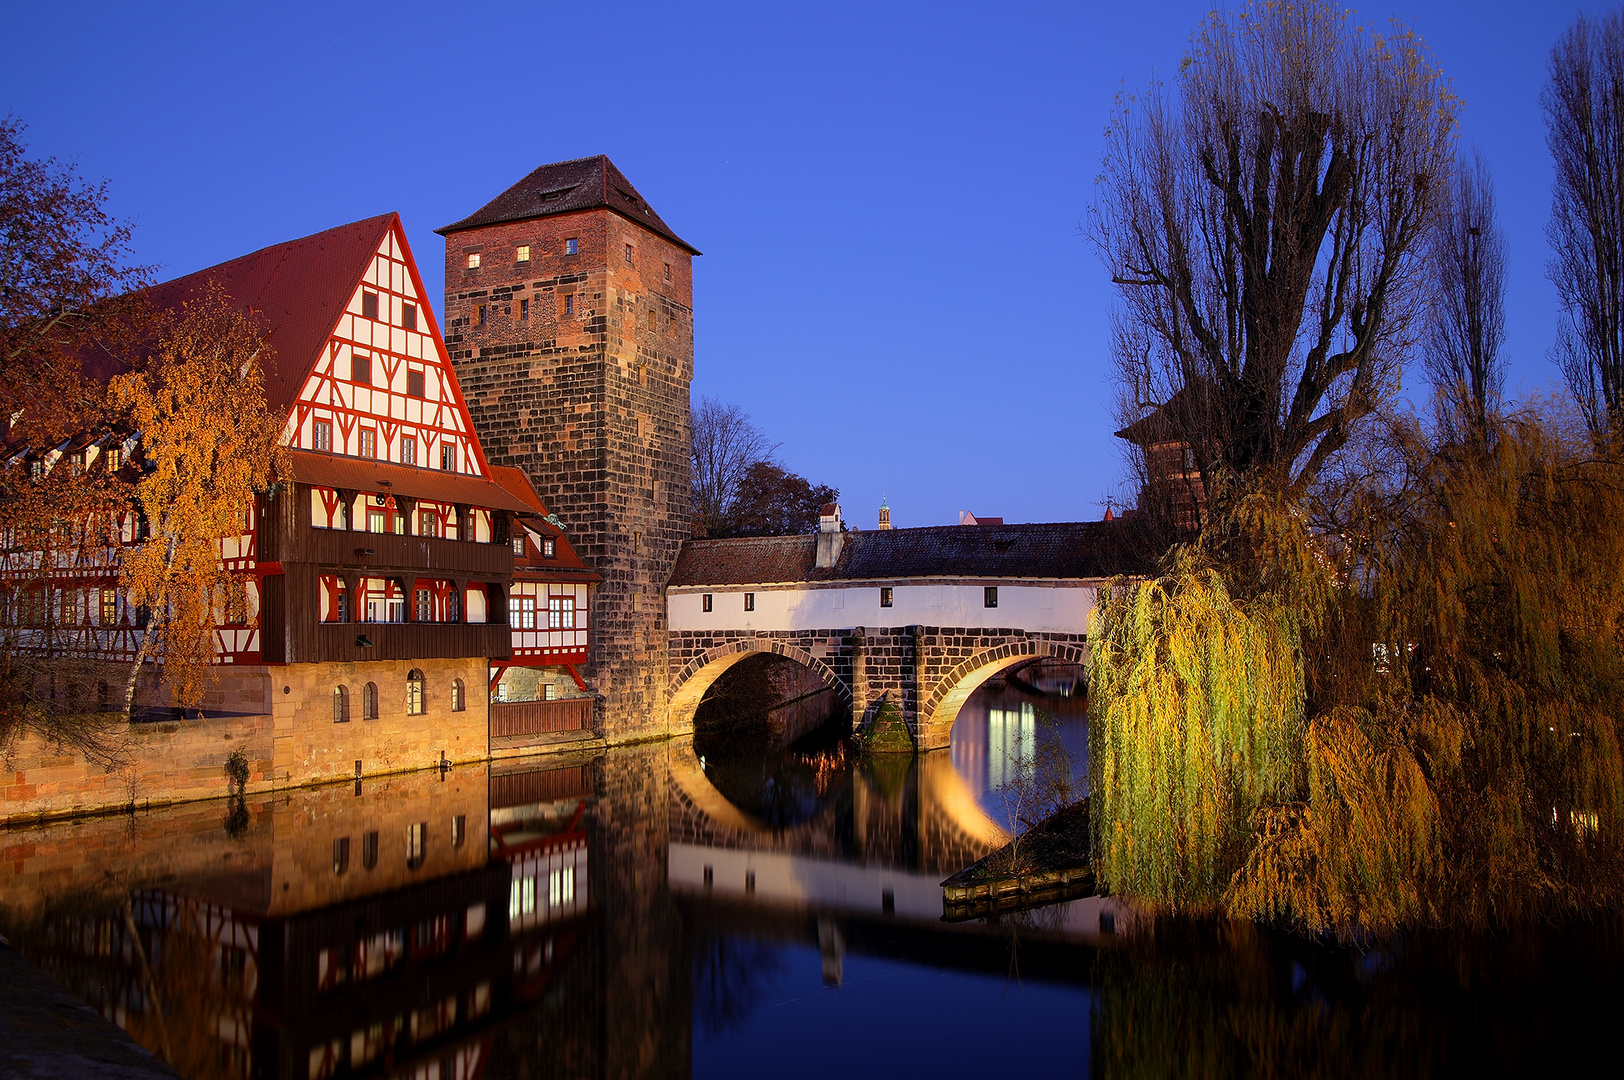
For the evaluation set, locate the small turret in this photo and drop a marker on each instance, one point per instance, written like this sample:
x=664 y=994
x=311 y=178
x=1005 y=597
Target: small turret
x=885 y=515
x=830 y=536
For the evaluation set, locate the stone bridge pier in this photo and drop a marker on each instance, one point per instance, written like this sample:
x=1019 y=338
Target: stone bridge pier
x=926 y=672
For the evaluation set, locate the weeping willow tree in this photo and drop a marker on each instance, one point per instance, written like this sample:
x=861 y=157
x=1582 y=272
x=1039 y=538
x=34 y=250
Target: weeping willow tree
x=1409 y=719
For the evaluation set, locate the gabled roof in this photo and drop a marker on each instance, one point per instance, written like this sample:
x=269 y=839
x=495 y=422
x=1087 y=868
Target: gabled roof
x=344 y=472
x=565 y=565
x=297 y=290
x=565 y=186
x=1066 y=550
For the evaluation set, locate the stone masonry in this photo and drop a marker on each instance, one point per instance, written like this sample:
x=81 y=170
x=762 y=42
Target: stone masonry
x=576 y=369
x=926 y=671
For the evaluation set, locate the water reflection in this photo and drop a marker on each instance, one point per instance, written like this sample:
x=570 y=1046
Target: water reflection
x=618 y=916
x=1016 y=718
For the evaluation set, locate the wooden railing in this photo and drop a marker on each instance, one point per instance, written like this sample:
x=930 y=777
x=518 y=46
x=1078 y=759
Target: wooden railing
x=402 y=641
x=540 y=717
x=423 y=555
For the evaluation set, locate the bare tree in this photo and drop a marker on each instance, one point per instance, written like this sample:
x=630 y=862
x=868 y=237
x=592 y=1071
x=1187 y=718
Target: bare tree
x=1264 y=228
x=1468 y=323
x=1584 y=128
x=725 y=445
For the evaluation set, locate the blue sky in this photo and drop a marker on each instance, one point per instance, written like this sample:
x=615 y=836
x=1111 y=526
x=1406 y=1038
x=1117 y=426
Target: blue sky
x=888 y=195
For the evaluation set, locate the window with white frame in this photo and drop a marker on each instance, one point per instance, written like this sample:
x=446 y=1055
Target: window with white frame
x=561 y=613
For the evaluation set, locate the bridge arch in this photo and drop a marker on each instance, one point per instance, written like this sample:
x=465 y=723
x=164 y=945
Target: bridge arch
x=953 y=689
x=689 y=687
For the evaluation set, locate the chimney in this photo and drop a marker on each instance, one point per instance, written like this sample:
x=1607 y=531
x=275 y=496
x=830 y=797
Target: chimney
x=885 y=515
x=830 y=537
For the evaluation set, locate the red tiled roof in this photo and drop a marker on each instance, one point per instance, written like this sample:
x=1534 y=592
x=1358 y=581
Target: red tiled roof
x=519 y=486
x=565 y=186
x=378 y=477
x=1088 y=549
x=297 y=290
x=565 y=565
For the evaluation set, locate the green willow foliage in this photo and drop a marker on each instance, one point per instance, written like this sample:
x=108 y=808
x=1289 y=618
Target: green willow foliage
x=1409 y=719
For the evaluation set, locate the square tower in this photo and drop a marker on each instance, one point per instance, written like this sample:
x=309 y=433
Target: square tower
x=569 y=320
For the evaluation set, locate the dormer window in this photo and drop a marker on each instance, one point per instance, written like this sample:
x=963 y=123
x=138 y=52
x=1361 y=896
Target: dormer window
x=518 y=547
x=549 y=549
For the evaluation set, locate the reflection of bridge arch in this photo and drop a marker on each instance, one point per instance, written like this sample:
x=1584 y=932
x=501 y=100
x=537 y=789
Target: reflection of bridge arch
x=954 y=689
x=689 y=687
x=949 y=826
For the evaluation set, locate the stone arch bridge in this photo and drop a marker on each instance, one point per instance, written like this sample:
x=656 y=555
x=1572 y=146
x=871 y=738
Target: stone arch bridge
x=918 y=618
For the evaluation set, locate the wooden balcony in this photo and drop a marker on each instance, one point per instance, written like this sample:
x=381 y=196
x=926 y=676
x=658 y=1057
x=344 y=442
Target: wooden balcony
x=321 y=642
x=540 y=717
x=392 y=553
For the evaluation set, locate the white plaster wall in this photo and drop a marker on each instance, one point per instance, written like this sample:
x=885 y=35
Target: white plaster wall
x=1056 y=609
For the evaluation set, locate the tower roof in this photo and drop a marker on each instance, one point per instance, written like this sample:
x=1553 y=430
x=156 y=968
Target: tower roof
x=565 y=186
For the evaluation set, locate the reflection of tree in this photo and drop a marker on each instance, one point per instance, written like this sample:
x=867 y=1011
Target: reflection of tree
x=1224 y=999
x=731 y=975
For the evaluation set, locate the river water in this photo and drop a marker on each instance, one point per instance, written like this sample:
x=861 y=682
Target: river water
x=662 y=910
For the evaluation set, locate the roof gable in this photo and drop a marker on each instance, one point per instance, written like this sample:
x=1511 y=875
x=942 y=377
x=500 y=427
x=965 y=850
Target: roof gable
x=565 y=186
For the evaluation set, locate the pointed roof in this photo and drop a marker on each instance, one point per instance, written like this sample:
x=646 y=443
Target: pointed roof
x=297 y=290
x=565 y=186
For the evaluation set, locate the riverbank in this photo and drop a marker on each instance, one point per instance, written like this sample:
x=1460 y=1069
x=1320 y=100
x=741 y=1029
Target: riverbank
x=1047 y=863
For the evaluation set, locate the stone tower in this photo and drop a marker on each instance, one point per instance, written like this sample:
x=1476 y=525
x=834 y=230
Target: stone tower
x=569 y=319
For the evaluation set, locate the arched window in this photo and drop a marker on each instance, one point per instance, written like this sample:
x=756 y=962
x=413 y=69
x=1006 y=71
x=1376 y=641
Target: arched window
x=369 y=702
x=459 y=700
x=341 y=705
x=414 y=693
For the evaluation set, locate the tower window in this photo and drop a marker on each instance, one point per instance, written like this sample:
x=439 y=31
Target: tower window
x=415 y=383
x=361 y=369
x=408 y=316
x=524 y=309
x=571 y=247
x=522 y=253
x=705 y=602
x=628 y=253
x=749 y=601
x=482 y=314
x=473 y=260
x=990 y=596
x=322 y=439
x=668 y=271
x=369 y=305
x=569 y=303
x=885 y=596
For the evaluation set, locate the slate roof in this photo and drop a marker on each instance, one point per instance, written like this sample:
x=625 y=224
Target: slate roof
x=566 y=186
x=296 y=290
x=1075 y=550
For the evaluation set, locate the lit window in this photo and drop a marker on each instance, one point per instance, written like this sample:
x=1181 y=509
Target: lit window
x=323 y=437
x=115 y=458
x=749 y=601
x=473 y=260
x=408 y=450
x=561 y=613
x=341 y=705
x=885 y=596
x=518 y=546
x=522 y=254
x=408 y=316
x=369 y=442
x=109 y=607
x=374 y=521
x=548 y=548
x=524 y=309
x=705 y=602
x=571 y=247
x=361 y=369
x=415 y=383
x=369 y=305
x=459 y=696
x=990 y=596
x=628 y=253
x=414 y=693
x=549 y=692
x=522 y=612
